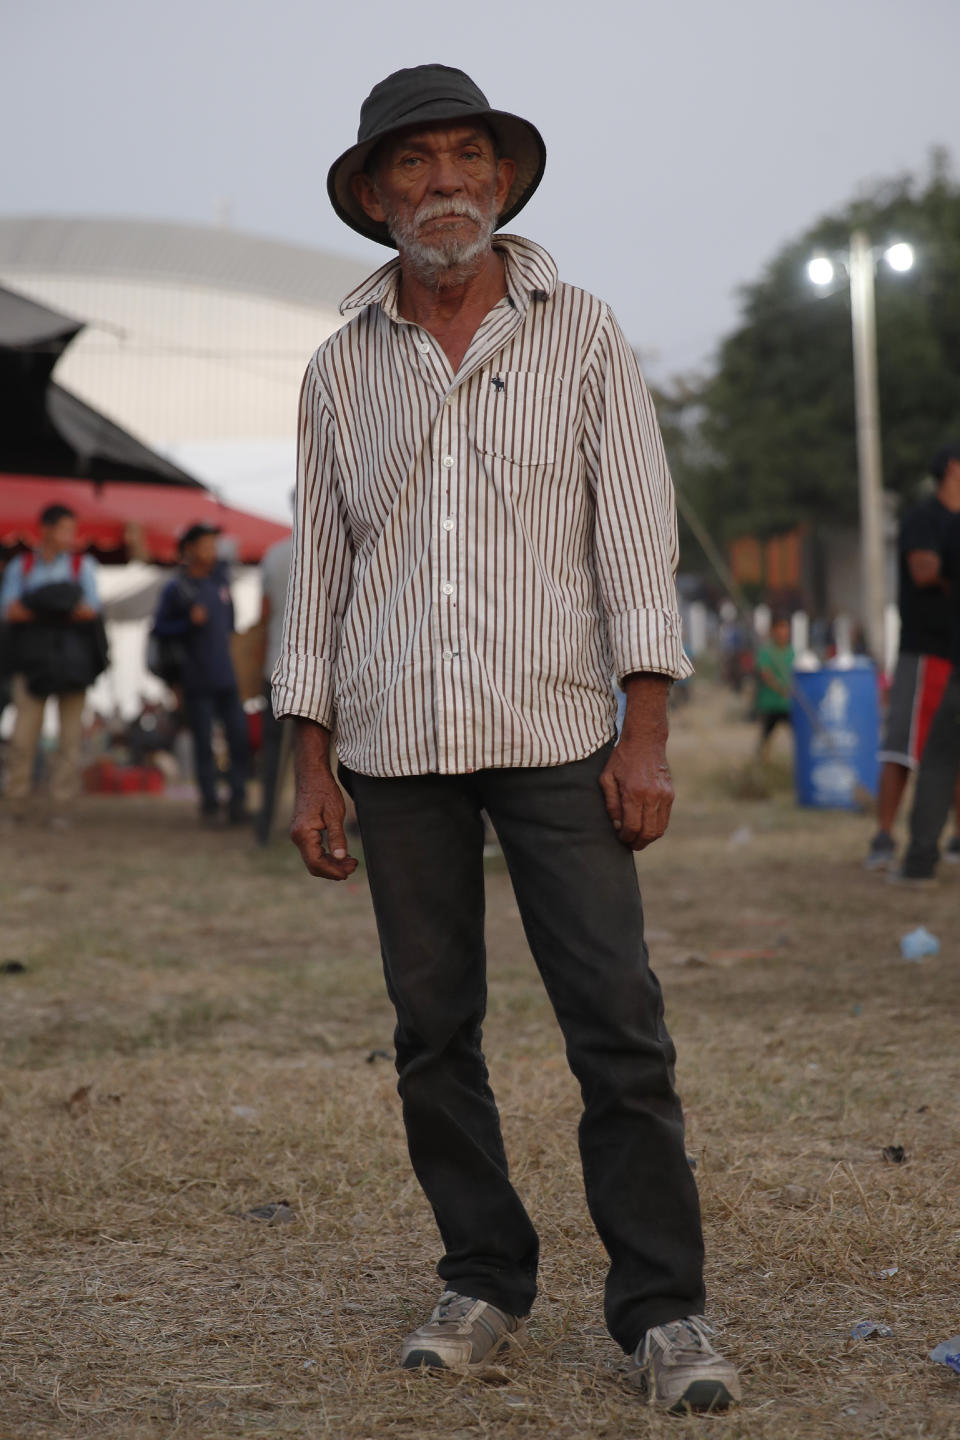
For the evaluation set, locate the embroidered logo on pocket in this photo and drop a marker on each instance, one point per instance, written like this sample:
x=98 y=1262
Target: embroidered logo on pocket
x=520 y=415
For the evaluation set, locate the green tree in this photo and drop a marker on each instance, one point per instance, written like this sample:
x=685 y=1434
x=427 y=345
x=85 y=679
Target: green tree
x=768 y=440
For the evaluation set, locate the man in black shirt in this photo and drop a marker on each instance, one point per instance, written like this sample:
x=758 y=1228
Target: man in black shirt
x=924 y=663
x=940 y=766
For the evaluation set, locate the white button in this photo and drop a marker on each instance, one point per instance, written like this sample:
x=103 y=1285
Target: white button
x=424 y=348
x=448 y=654
x=448 y=524
x=448 y=462
x=448 y=588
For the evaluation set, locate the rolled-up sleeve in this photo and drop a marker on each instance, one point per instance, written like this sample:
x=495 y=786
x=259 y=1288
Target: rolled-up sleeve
x=304 y=680
x=637 y=550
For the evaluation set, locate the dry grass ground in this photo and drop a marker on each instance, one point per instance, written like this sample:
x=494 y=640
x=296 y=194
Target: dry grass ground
x=191 y=1038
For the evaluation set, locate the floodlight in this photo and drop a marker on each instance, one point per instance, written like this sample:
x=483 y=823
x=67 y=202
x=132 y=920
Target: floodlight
x=820 y=270
x=899 y=256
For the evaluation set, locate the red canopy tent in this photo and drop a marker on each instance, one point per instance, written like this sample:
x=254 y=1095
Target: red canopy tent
x=130 y=502
x=136 y=521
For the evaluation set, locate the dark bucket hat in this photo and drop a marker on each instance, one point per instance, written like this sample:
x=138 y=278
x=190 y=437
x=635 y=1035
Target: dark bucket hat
x=429 y=95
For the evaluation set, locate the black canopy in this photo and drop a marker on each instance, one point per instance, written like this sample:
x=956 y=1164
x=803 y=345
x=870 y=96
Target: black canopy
x=44 y=429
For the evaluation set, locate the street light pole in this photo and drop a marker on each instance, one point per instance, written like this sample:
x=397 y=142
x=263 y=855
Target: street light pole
x=867 y=403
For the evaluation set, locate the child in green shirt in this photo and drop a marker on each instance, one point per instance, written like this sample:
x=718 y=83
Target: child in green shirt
x=774 y=672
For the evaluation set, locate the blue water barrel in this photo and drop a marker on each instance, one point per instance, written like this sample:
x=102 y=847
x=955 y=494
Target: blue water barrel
x=836 y=722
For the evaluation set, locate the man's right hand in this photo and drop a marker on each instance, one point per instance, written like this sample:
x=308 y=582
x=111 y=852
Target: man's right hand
x=198 y=615
x=18 y=614
x=320 y=809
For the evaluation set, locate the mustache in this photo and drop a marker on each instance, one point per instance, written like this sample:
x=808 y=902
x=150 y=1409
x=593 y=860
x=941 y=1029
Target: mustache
x=441 y=209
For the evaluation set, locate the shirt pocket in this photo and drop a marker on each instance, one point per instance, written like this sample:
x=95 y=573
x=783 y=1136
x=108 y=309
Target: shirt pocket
x=519 y=416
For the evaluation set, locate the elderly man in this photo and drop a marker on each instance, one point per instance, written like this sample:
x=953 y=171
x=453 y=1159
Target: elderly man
x=485 y=532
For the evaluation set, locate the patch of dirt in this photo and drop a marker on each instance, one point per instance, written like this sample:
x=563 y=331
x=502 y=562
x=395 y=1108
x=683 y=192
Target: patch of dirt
x=188 y=1041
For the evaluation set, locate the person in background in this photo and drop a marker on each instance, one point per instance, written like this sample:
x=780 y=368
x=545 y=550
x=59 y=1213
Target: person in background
x=735 y=651
x=774 y=673
x=26 y=580
x=196 y=607
x=274 y=575
x=939 y=772
x=923 y=665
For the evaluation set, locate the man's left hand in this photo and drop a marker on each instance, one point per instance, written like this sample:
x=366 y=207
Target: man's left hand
x=636 y=780
x=638 y=790
x=83 y=612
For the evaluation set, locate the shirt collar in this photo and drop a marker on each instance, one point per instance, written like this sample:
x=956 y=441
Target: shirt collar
x=530 y=274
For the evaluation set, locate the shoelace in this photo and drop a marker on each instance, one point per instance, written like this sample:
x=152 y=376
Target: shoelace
x=679 y=1337
x=449 y=1301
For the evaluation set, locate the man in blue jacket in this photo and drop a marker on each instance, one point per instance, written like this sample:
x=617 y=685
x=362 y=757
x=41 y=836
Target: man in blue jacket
x=196 y=609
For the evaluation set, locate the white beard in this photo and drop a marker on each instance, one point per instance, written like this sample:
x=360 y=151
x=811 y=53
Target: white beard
x=449 y=259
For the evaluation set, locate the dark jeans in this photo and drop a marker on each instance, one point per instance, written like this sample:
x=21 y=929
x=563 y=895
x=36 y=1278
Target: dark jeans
x=578 y=896
x=201 y=711
x=936 y=784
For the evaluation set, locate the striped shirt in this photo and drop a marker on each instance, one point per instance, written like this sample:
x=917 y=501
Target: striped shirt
x=476 y=554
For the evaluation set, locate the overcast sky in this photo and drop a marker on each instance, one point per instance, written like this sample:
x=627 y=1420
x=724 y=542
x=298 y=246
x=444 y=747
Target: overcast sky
x=687 y=139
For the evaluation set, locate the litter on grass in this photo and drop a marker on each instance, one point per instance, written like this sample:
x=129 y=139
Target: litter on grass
x=948 y=1353
x=918 y=943
x=279 y=1213
x=870 y=1330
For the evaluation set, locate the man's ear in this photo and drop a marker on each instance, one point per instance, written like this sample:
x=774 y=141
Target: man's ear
x=506 y=170
x=366 y=192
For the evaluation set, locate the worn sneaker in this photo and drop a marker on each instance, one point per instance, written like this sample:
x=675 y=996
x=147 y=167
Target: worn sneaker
x=881 y=852
x=676 y=1365
x=952 y=851
x=461 y=1334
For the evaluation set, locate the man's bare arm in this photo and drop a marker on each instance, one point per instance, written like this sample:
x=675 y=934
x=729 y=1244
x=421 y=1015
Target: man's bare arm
x=320 y=809
x=636 y=780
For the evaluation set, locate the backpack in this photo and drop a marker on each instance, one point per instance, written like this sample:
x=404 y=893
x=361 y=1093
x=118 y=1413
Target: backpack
x=55 y=656
x=166 y=657
x=167 y=654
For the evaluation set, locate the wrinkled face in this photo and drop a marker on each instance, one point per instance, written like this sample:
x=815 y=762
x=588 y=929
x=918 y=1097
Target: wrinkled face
x=62 y=535
x=439 y=191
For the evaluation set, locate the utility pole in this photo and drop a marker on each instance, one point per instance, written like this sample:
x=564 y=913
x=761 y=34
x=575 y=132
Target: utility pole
x=867 y=403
